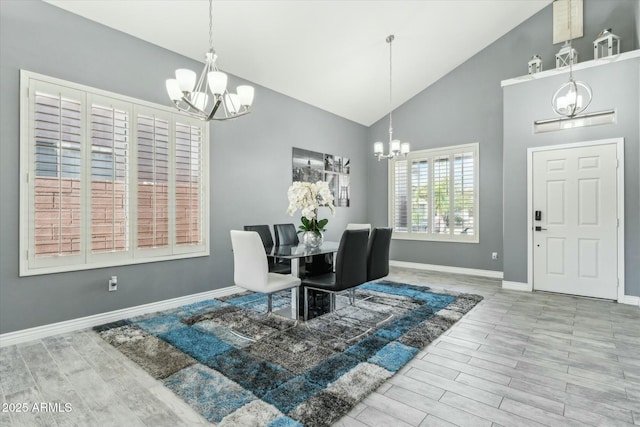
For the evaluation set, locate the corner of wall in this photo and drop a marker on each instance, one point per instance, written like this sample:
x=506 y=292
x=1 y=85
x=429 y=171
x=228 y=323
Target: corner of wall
x=637 y=40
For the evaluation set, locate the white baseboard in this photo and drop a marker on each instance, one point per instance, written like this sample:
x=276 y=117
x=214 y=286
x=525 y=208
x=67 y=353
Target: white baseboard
x=44 y=331
x=516 y=286
x=525 y=287
x=631 y=300
x=448 y=269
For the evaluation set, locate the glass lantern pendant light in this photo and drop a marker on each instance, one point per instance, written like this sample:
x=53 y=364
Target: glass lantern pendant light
x=208 y=98
x=396 y=148
x=573 y=97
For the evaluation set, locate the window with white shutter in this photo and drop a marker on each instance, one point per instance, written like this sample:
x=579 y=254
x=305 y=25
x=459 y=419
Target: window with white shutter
x=110 y=151
x=400 y=182
x=55 y=186
x=152 y=139
x=420 y=196
x=464 y=193
x=441 y=191
x=108 y=179
x=188 y=155
x=443 y=188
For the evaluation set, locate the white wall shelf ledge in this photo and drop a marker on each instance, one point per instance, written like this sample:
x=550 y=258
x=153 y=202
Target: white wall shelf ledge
x=577 y=67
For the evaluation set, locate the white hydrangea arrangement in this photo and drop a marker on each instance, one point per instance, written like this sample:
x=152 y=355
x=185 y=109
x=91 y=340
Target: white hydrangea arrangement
x=308 y=197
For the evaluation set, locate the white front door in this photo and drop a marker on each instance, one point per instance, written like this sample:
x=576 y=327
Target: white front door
x=575 y=239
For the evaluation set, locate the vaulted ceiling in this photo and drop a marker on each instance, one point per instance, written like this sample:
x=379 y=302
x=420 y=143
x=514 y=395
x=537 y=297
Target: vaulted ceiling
x=330 y=54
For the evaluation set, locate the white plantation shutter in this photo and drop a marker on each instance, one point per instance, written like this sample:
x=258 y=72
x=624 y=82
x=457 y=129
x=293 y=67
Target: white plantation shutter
x=152 y=140
x=400 y=185
x=420 y=196
x=464 y=193
x=443 y=202
x=188 y=164
x=441 y=190
x=107 y=180
x=57 y=133
x=110 y=134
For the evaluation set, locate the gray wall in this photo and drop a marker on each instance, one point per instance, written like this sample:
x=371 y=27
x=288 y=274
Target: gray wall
x=466 y=106
x=250 y=164
x=614 y=86
x=251 y=157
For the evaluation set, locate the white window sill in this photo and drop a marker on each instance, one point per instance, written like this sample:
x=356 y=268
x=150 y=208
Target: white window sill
x=431 y=238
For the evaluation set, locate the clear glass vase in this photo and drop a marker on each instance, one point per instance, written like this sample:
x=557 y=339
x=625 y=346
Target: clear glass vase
x=311 y=239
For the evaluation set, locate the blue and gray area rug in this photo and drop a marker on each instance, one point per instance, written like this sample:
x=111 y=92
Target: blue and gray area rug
x=287 y=373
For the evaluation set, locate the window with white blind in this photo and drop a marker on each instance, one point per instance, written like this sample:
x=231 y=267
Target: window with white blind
x=434 y=194
x=108 y=180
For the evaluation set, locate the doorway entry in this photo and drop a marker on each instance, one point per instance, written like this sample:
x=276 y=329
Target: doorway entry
x=575 y=210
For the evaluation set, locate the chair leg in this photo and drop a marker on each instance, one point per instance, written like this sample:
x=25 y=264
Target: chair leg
x=306 y=304
x=239 y=335
x=269 y=303
x=332 y=302
x=352 y=296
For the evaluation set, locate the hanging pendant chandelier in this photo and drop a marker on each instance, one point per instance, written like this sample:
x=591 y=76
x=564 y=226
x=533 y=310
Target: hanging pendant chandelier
x=396 y=148
x=573 y=97
x=207 y=97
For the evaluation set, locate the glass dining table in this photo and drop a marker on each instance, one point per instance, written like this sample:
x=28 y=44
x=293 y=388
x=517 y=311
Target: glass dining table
x=295 y=253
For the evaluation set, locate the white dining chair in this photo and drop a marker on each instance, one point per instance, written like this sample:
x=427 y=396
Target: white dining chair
x=251 y=269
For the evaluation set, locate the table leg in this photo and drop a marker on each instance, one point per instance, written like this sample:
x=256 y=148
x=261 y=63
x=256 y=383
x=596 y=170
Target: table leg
x=295 y=297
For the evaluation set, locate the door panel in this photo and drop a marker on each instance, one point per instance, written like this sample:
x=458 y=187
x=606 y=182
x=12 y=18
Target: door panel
x=575 y=245
x=588 y=257
x=555 y=202
x=555 y=256
x=588 y=201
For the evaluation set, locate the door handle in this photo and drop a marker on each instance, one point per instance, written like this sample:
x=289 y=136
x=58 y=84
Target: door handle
x=538 y=228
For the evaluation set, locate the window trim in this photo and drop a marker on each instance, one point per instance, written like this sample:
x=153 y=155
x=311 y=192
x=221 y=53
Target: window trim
x=87 y=259
x=429 y=154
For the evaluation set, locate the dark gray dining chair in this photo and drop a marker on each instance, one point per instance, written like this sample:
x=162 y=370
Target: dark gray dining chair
x=286 y=234
x=378 y=253
x=264 y=232
x=356 y=226
x=351 y=269
x=275 y=265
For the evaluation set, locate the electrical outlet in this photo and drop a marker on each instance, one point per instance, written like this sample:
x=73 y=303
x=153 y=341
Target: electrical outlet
x=494 y=255
x=113 y=283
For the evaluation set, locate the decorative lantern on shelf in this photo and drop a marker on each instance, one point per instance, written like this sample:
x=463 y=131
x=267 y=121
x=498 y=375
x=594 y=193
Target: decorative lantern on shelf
x=535 y=64
x=607 y=44
x=567 y=54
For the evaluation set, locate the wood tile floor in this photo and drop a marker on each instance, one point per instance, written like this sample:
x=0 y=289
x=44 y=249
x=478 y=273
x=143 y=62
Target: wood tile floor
x=517 y=359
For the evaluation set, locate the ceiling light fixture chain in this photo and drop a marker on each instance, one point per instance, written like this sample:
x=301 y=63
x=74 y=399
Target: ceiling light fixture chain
x=390 y=41
x=193 y=96
x=396 y=148
x=211 y=26
x=573 y=97
x=570 y=43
